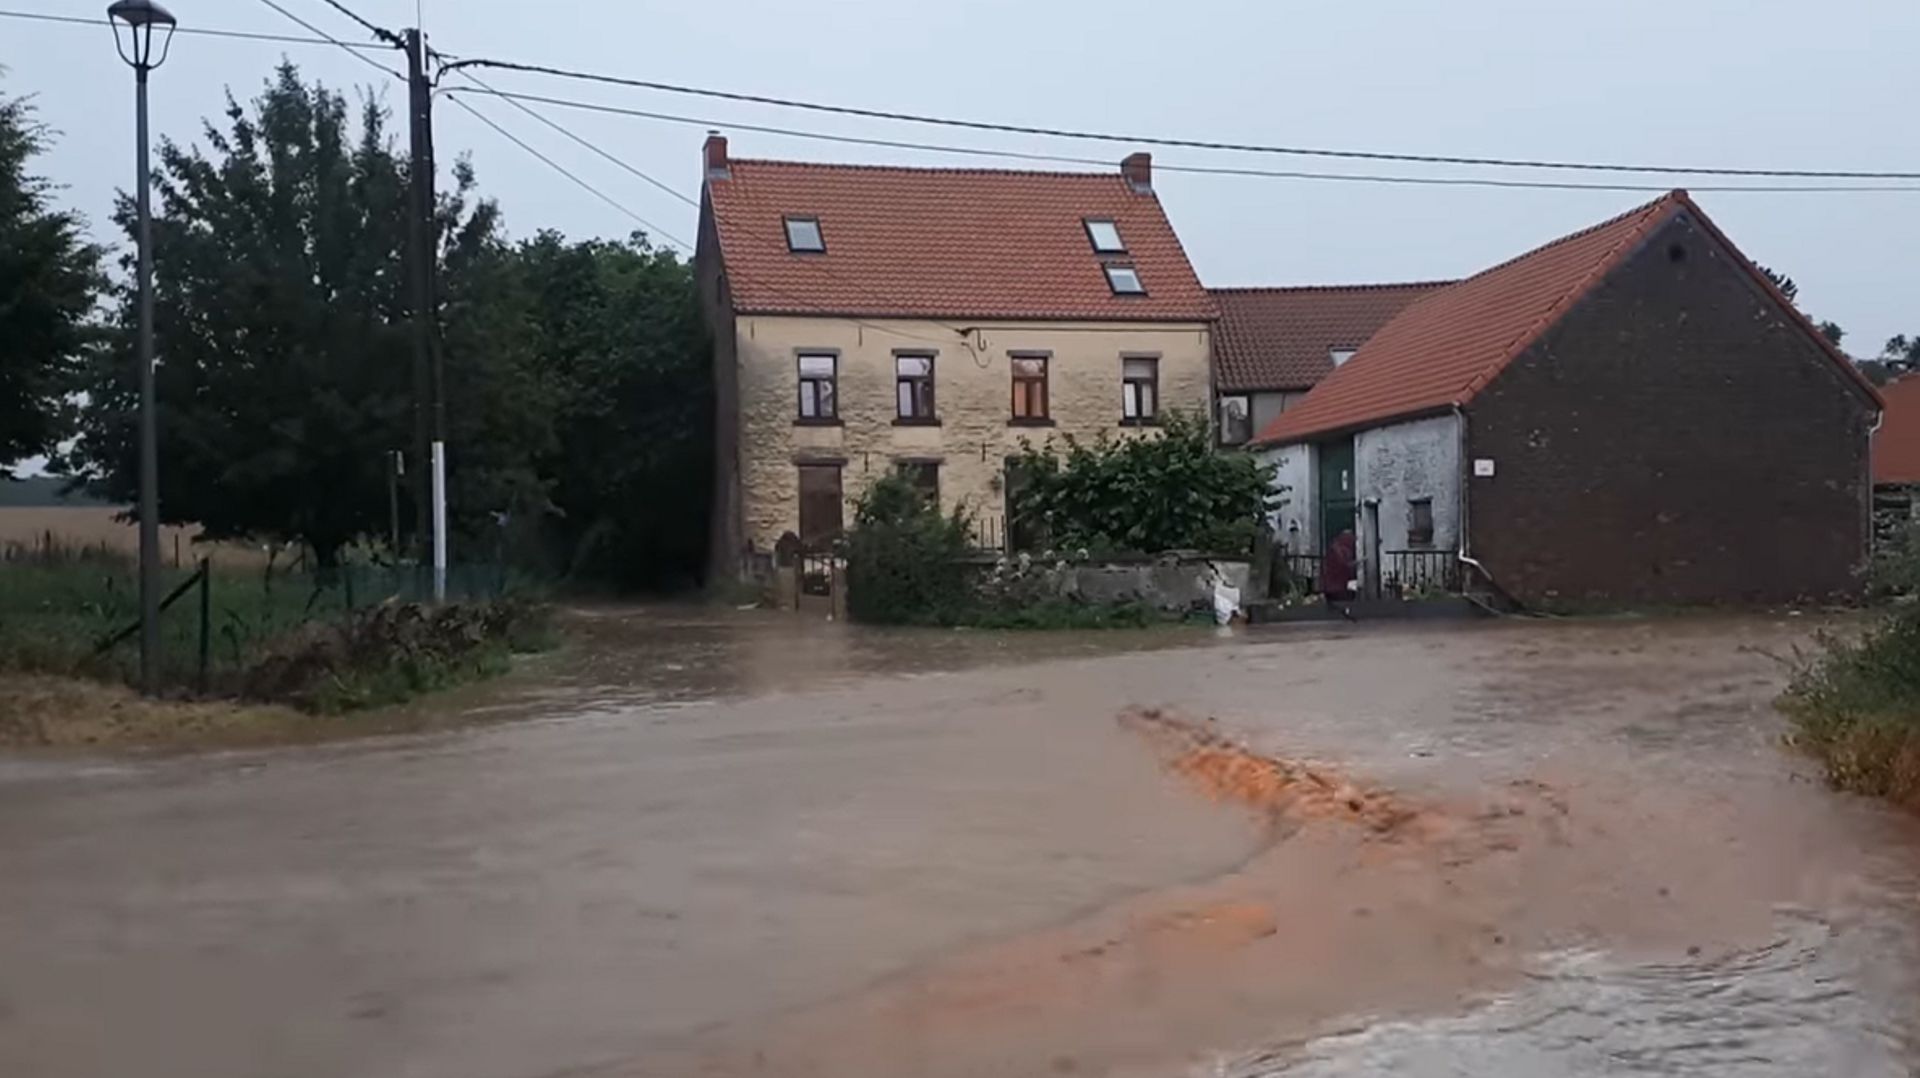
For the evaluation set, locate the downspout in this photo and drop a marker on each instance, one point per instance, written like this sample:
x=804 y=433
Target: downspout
x=1466 y=546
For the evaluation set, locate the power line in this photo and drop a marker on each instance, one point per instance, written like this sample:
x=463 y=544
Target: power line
x=202 y=31
x=1159 y=166
x=380 y=33
x=564 y=171
x=512 y=99
x=671 y=238
x=369 y=61
x=1185 y=143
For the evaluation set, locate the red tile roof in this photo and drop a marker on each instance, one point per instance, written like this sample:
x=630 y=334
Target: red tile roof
x=1281 y=338
x=1896 y=445
x=1442 y=349
x=945 y=243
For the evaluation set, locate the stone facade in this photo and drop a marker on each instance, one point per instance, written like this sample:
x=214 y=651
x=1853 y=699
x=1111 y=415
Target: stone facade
x=975 y=432
x=1398 y=464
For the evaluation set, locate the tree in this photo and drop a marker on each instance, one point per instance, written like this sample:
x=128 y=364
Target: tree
x=281 y=314
x=1781 y=281
x=623 y=350
x=48 y=280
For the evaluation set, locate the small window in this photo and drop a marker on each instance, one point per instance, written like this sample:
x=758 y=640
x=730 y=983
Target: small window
x=819 y=388
x=1341 y=355
x=924 y=476
x=1139 y=390
x=803 y=234
x=1125 y=281
x=1029 y=388
x=1236 y=420
x=1105 y=236
x=913 y=387
x=1420 y=522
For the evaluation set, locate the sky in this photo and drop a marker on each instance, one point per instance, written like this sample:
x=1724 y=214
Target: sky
x=1725 y=83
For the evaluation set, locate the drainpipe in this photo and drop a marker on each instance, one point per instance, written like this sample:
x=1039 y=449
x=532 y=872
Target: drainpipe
x=1466 y=474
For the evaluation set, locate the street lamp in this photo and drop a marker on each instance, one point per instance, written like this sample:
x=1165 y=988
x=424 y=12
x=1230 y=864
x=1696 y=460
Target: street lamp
x=134 y=23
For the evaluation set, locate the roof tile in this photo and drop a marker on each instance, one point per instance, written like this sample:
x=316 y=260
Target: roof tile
x=1896 y=445
x=1283 y=338
x=946 y=243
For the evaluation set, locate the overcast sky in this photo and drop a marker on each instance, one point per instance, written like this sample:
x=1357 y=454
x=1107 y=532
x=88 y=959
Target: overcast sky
x=1747 y=83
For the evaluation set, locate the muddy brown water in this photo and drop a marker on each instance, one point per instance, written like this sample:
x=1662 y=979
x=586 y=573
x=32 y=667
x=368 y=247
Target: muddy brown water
x=723 y=844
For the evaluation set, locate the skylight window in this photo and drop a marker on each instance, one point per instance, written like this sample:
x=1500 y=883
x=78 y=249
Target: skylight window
x=1125 y=281
x=1105 y=236
x=803 y=235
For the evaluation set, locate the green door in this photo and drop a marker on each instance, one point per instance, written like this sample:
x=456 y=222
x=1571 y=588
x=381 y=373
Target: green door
x=1336 y=491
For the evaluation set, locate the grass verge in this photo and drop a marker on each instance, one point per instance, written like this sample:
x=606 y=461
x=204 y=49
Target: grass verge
x=1855 y=706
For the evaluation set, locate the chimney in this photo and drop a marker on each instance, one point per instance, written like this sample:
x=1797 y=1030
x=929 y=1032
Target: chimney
x=715 y=151
x=1138 y=169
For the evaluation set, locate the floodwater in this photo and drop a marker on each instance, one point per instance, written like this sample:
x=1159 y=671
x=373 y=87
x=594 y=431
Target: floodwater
x=723 y=844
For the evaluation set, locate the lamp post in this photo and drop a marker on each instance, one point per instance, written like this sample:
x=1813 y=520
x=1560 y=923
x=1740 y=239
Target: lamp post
x=134 y=24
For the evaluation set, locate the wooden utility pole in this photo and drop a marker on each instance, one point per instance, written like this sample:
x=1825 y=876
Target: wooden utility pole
x=429 y=382
x=419 y=206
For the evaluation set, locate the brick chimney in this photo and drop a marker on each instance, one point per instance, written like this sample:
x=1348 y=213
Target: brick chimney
x=715 y=152
x=1138 y=169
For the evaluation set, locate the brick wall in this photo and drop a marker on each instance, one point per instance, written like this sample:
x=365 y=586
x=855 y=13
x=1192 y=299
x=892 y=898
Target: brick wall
x=972 y=394
x=1675 y=438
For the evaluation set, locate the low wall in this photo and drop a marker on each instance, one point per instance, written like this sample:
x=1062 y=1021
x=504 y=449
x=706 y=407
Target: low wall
x=1170 y=583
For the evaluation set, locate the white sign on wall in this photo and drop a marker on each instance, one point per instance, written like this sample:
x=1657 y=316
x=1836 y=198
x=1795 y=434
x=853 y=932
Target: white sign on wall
x=1483 y=467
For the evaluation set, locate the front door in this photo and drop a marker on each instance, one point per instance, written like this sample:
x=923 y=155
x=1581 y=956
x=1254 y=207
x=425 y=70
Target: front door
x=820 y=505
x=1339 y=543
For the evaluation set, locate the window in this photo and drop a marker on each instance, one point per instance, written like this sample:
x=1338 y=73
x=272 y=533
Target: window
x=820 y=503
x=1029 y=388
x=1139 y=389
x=1236 y=420
x=1419 y=521
x=819 y=390
x=925 y=477
x=1125 y=281
x=1105 y=236
x=803 y=235
x=1341 y=355
x=913 y=387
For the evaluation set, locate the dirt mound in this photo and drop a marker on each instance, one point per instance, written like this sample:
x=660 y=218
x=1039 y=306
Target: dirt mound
x=1286 y=790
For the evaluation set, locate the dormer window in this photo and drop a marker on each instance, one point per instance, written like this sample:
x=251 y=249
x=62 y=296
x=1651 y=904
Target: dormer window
x=1124 y=281
x=1105 y=236
x=1341 y=355
x=803 y=235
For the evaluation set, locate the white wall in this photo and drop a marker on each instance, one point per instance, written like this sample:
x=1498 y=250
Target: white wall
x=1295 y=516
x=1404 y=461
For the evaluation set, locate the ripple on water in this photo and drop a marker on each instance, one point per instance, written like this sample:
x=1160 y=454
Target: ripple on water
x=1800 y=1005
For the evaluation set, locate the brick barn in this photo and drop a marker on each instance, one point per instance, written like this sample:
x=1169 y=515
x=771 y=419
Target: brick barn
x=1632 y=413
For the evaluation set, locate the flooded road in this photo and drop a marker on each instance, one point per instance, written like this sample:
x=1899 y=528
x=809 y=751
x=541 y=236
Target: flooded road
x=713 y=844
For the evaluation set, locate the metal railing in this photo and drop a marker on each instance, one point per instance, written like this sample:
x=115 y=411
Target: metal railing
x=1297 y=573
x=1405 y=572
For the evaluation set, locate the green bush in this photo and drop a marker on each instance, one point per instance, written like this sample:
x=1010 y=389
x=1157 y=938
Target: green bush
x=1855 y=706
x=1168 y=490
x=905 y=561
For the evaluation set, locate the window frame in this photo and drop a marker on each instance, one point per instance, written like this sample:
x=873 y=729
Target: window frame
x=932 y=416
x=912 y=468
x=802 y=379
x=1220 y=418
x=1119 y=241
x=787 y=221
x=1415 y=508
x=1015 y=381
x=1108 y=269
x=1132 y=413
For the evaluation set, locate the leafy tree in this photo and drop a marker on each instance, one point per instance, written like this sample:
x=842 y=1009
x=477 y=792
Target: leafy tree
x=623 y=350
x=1781 y=281
x=904 y=559
x=48 y=279
x=281 y=324
x=1165 y=491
